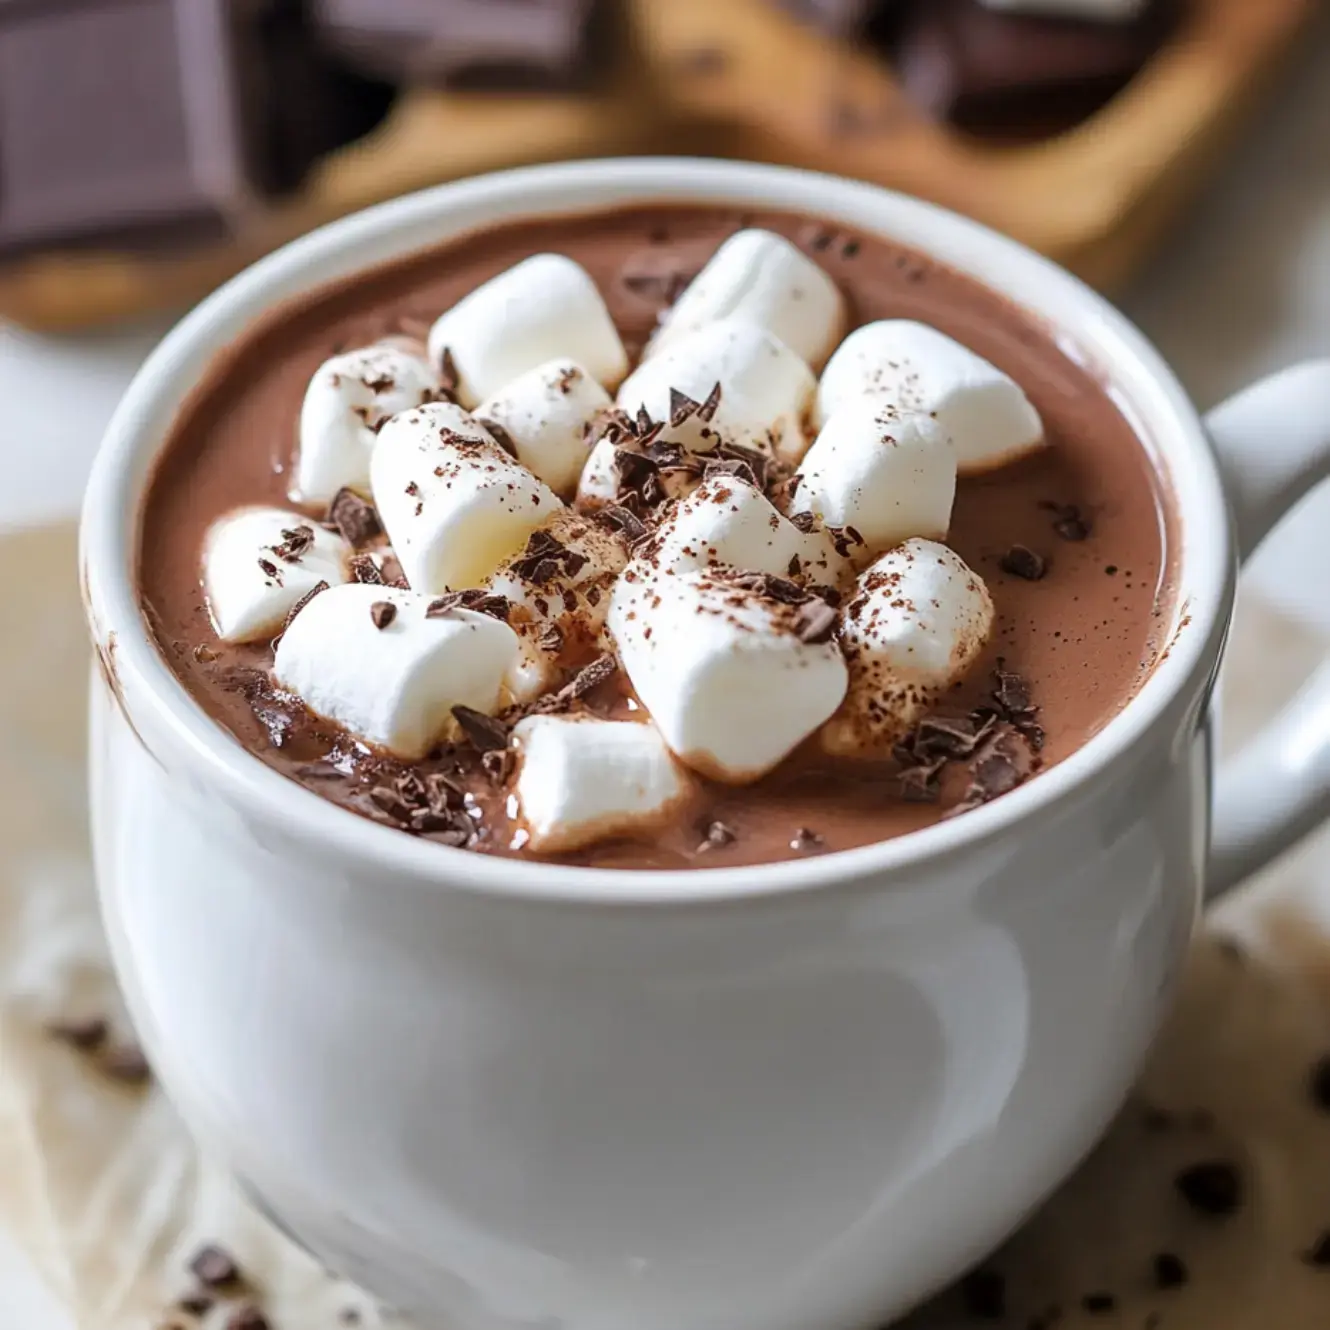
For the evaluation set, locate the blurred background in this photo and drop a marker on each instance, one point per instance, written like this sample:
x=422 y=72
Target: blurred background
x=1175 y=153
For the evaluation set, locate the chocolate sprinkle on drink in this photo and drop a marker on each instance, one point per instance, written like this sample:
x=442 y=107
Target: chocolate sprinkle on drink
x=1211 y=1188
x=353 y=519
x=1021 y=561
x=383 y=612
x=486 y=733
x=214 y=1267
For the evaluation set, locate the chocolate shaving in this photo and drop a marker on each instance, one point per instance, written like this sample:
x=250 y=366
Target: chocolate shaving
x=295 y=542
x=365 y=570
x=449 y=379
x=804 y=521
x=214 y=1267
x=544 y=558
x=707 y=411
x=476 y=599
x=498 y=764
x=844 y=538
x=382 y=612
x=627 y=523
x=269 y=568
x=498 y=434
x=317 y=589
x=486 y=733
x=806 y=840
x=1021 y=561
x=354 y=519
x=919 y=784
x=390 y=801
x=682 y=408
x=87 y=1034
x=551 y=639
x=600 y=671
x=716 y=836
x=769 y=587
x=1011 y=694
x=733 y=469
x=611 y=423
x=815 y=623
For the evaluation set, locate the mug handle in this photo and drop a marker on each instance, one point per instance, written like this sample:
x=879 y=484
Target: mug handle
x=1273 y=443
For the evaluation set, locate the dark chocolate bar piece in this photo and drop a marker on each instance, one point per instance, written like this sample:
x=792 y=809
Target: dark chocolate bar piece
x=991 y=72
x=118 y=122
x=468 y=43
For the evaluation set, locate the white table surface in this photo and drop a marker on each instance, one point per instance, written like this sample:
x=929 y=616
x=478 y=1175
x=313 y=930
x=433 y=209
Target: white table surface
x=1243 y=289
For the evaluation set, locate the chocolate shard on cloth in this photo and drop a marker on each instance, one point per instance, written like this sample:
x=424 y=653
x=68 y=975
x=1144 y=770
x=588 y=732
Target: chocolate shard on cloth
x=489 y=44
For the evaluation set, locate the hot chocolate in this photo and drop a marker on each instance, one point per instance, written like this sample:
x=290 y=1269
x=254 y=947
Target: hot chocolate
x=549 y=543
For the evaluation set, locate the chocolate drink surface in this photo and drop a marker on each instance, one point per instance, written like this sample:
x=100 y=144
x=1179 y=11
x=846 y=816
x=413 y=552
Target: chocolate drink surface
x=1071 y=542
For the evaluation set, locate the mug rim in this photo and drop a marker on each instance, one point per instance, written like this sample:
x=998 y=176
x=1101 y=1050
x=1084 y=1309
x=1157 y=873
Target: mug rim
x=1087 y=325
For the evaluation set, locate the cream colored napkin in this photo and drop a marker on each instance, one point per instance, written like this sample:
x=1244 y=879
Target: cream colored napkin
x=103 y=1191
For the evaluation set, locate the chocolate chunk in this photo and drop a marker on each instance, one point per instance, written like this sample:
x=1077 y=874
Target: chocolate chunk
x=804 y=521
x=354 y=519
x=806 y=840
x=1011 y=693
x=628 y=524
x=269 y=568
x=612 y=423
x=1169 y=1270
x=125 y=1063
x=317 y=589
x=994 y=775
x=489 y=44
x=382 y=612
x=389 y=801
x=984 y=1293
x=731 y=468
x=815 y=622
x=1069 y=523
x=544 y=558
x=498 y=764
x=248 y=1317
x=919 y=784
x=1318 y=1084
x=87 y=1034
x=716 y=836
x=1099 y=1304
x=365 y=570
x=295 y=542
x=486 y=733
x=1213 y=1187
x=1020 y=561
x=475 y=599
x=214 y=1267
x=769 y=587
x=1318 y=1254
x=600 y=671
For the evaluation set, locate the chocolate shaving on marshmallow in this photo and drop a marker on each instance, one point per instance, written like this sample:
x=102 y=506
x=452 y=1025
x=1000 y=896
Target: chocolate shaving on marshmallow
x=345 y=406
x=916 y=625
x=919 y=369
x=544 y=308
x=719 y=664
x=582 y=780
x=763 y=279
x=394 y=683
x=453 y=503
x=258 y=563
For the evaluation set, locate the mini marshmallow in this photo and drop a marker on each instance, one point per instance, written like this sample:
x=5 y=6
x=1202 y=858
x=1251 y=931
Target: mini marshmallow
x=1103 y=11
x=544 y=308
x=558 y=608
x=583 y=780
x=258 y=562
x=917 y=368
x=599 y=484
x=546 y=413
x=721 y=669
x=888 y=476
x=453 y=503
x=761 y=278
x=395 y=686
x=348 y=399
x=766 y=390
x=726 y=521
x=916 y=625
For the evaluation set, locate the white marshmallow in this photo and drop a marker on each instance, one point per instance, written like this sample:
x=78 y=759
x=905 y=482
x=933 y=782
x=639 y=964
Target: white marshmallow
x=249 y=585
x=599 y=484
x=545 y=307
x=917 y=368
x=545 y=413
x=453 y=503
x=721 y=669
x=888 y=476
x=726 y=521
x=584 y=780
x=574 y=600
x=1104 y=11
x=393 y=687
x=916 y=625
x=766 y=390
x=348 y=399
x=763 y=279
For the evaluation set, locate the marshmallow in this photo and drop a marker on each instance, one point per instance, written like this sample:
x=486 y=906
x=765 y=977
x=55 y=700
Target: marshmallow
x=726 y=521
x=765 y=390
x=546 y=413
x=348 y=399
x=583 y=780
x=258 y=562
x=1103 y=11
x=560 y=607
x=916 y=625
x=763 y=279
x=545 y=307
x=721 y=669
x=917 y=368
x=888 y=476
x=393 y=687
x=453 y=503
x=599 y=484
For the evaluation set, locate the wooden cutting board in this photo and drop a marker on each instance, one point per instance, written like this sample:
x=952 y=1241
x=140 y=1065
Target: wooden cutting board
x=740 y=79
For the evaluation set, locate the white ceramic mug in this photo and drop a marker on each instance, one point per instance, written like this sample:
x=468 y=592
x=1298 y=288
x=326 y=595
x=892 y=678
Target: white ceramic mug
x=795 y=1097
